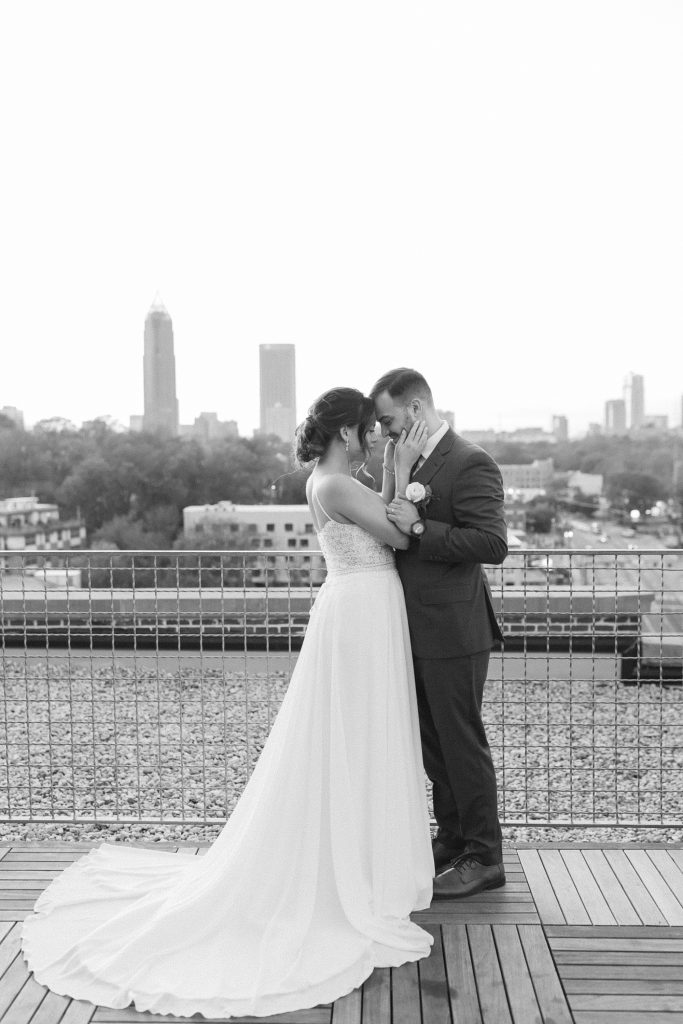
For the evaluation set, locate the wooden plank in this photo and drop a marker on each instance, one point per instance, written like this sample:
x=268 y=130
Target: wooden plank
x=617 y=971
x=405 y=995
x=348 y=1009
x=596 y=845
x=653 y=1004
x=547 y=985
x=519 y=894
x=4 y=850
x=10 y=885
x=643 y=904
x=592 y=897
x=625 y=986
x=607 y=1017
x=612 y=956
x=433 y=986
x=78 y=1012
x=669 y=870
x=465 y=907
x=26 y=1002
x=642 y=931
x=656 y=886
x=54 y=859
x=462 y=988
x=11 y=984
x=51 y=1010
x=490 y=984
x=5 y=929
x=519 y=987
x=625 y=945
x=549 y=909
x=563 y=886
x=13 y=915
x=58 y=848
x=19 y=871
x=473 y=918
x=618 y=901
x=10 y=946
x=676 y=856
x=377 y=997
x=104 y=1015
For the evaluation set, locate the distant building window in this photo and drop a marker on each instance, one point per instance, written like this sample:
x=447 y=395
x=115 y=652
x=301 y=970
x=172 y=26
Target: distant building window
x=252 y=528
x=304 y=542
x=254 y=542
x=291 y=543
x=270 y=527
x=289 y=527
x=234 y=527
x=308 y=528
x=268 y=543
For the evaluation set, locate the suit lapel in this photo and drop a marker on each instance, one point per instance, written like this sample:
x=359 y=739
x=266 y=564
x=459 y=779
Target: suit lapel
x=433 y=464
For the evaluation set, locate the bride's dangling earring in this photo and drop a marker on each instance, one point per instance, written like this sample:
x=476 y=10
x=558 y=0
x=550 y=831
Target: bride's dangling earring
x=346 y=446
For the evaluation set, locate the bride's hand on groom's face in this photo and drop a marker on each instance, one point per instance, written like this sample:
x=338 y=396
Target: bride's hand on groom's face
x=410 y=445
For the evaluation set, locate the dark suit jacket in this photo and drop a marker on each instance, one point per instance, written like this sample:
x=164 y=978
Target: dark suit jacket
x=448 y=597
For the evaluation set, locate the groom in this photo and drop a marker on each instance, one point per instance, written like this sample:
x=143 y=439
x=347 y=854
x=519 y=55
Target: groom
x=459 y=526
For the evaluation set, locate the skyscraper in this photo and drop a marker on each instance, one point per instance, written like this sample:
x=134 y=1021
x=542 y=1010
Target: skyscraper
x=560 y=428
x=634 y=396
x=161 y=403
x=615 y=416
x=278 y=390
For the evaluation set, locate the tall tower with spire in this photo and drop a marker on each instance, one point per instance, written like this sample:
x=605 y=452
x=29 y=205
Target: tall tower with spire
x=161 y=403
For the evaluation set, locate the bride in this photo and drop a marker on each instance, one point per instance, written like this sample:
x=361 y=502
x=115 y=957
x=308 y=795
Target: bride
x=310 y=884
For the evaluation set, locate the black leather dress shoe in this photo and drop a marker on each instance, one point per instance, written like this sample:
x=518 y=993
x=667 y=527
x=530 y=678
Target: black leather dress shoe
x=443 y=855
x=465 y=876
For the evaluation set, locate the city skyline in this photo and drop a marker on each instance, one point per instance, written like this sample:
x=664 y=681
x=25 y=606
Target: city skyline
x=276 y=397
x=493 y=196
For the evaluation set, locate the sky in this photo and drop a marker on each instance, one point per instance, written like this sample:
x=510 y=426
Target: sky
x=487 y=191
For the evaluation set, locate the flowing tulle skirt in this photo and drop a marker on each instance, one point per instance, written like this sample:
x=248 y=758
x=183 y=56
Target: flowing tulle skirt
x=311 y=882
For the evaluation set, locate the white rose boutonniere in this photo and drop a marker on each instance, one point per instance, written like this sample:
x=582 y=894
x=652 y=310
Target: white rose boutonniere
x=419 y=494
x=416 y=492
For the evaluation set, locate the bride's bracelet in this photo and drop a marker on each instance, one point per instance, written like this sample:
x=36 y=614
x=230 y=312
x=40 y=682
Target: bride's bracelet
x=387 y=470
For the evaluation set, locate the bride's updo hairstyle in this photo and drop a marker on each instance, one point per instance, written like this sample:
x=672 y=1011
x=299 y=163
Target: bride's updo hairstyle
x=340 y=407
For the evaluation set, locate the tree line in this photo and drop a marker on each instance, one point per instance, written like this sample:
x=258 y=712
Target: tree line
x=130 y=488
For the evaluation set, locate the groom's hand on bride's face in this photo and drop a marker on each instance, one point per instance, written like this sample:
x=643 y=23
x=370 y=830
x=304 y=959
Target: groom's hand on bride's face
x=402 y=513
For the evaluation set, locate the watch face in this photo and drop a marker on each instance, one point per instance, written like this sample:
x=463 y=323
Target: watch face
x=418 y=528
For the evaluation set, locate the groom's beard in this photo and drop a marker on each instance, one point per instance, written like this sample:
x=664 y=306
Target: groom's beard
x=408 y=422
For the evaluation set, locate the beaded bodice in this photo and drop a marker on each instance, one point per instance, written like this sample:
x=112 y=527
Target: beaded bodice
x=349 y=548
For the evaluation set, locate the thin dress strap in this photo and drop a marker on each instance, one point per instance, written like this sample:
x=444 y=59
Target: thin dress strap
x=316 y=501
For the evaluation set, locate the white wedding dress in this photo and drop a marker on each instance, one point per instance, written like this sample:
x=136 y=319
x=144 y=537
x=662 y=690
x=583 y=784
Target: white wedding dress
x=310 y=884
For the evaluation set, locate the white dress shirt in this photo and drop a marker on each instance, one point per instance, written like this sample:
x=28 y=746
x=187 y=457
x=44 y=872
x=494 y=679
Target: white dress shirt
x=432 y=442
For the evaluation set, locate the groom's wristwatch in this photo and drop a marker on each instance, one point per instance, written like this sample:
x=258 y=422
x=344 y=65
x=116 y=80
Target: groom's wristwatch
x=418 y=528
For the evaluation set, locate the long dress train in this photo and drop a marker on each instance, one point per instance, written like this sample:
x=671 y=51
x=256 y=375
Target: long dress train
x=310 y=884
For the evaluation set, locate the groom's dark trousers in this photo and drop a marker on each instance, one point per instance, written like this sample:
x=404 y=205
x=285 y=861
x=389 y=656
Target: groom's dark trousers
x=449 y=697
x=452 y=629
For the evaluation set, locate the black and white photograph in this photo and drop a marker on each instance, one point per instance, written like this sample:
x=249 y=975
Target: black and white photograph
x=341 y=512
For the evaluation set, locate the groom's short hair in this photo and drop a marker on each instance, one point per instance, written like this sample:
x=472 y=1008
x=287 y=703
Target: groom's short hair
x=402 y=383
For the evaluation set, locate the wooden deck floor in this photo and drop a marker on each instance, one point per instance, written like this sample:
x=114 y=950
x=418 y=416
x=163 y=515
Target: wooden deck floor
x=584 y=934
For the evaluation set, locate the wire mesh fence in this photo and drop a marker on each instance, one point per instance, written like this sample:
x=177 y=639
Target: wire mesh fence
x=141 y=686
